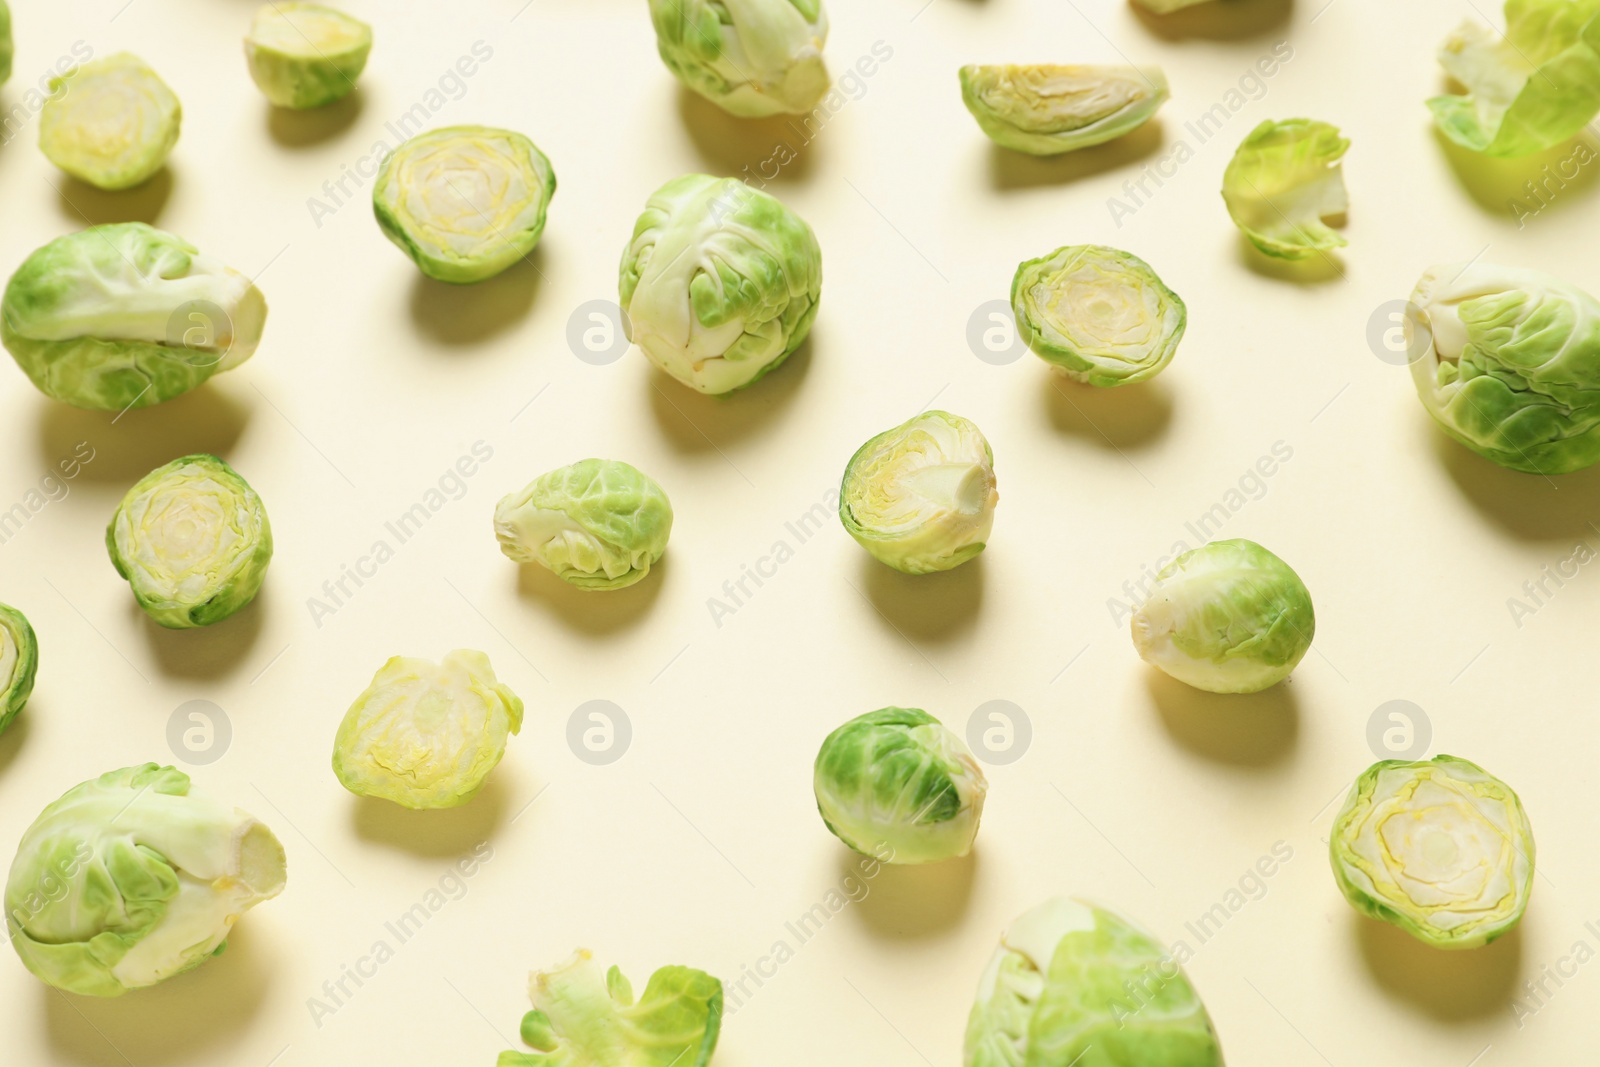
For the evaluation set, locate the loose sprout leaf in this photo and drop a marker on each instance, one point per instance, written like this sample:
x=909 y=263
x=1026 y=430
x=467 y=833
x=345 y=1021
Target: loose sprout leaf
x=1282 y=182
x=19 y=662
x=752 y=58
x=306 y=55
x=1045 y=109
x=111 y=122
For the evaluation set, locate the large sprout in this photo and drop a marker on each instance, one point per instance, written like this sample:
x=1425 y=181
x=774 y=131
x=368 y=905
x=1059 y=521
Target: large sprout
x=126 y=316
x=111 y=122
x=19 y=662
x=1046 y=109
x=583 y=1018
x=1100 y=315
x=6 y=47
x=1440 y=848
x=749 y=57
x=719 y=282
x=921 y=497
x=1507 y=361
x=425 y=734
x=1283 y=182
x=192 y=540
x=306 y=55
x=464 y=202
x=598 y=524
x=1228 y=617
x=896 y=784
x=131 y=878
x=1076 y=985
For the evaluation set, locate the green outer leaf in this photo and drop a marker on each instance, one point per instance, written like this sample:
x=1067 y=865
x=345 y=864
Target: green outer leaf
x=17 y=685
x=1282 y=181
x=1038 y=108
x=623 y=512
x=312 y=76
x=752 y=58
x=6 y=46
x=84 y=148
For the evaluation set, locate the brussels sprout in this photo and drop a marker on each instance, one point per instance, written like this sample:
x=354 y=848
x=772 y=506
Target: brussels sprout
x=1228 y=617
x=1166 y=7
x=464 y=202
x=583 y=1019
x=896 y=784
x=1441 y=848
x=126 y=316
x=131 y=878
x=751 y=58
x=598 y=524
x=1077 y=984
x=719 y=283
x=192 y=540
x=1527 y=89
x=6 y=47
x=1282 y=182
x=19 y=661
x=1507 y=361
x=1046 y=109
x=1100 y=315
x=424 y=734
x=111 y=122
x=306 y=55
x=921 y=497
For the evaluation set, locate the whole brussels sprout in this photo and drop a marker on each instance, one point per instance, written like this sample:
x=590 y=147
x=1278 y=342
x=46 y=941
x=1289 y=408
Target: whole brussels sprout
x=897 y=784
x=111 y=122
x=131 y=878
x=1076 y=984
x=921 y=497
x=192 y=540
x=1099 y=315
x=19 y=661
x=1441 y=848
x=1166 y=7
x=1046 y=109
x=1282 y=182
x=6 y=47
x=306 y=55
x=464 y=202
x=719 y=283
x=1228 y=617
x=751 y=58
x=598 y=524
x=125 y=316
x=1507 y=361
x=424 y=734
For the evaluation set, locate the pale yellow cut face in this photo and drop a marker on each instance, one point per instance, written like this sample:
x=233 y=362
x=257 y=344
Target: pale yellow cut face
x=111 y=123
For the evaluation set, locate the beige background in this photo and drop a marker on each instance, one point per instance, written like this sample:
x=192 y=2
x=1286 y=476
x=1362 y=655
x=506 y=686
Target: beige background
x=702 y=842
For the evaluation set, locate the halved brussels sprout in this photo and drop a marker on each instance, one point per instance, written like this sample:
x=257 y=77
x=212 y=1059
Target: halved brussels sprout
x=464 y=202
x=1166 y=7
x=1100 y=315
x=1076 y=984
x=306 y=55
x=1507 y=361
x=192 y=540
x=111 y=122
x=1045 y=109
x=719 y=282
x=425 y=734
x=921 y=497
x=131 y=878
x=581 y=1019
x=896 y=784
x=125 y=316
x=1282 y=182
x=751 y=58
x=19 y=661
x=1228 y=617
x=6 y=47
x=598 y=524
x=1441 y=848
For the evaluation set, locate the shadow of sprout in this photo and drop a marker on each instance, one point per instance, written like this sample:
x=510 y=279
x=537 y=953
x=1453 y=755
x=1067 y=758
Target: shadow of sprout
x=129 y=445
x=86 y=205
x=693 y=422
x=1123 y=416
x=1240 y=729
x=16 y=735
x=1217 y=20
x=205 y=652
x=594 y=611
x=774 y=149
x=290 y=128
x=1319 y=268
x=1450 y=985
x=1530 y=507
x=927 y=607
x=1018 y=170
x=904 y=902
x=444 y=832
x=460 y=315
x=1502 y=186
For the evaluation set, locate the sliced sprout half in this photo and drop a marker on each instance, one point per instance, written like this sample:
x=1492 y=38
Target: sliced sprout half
x=1045 y=109
x=19 y=662
x=1283 y=182
x=1167 y=7
x=111 y=122
x=306 y=55
x=751 y=58
x=6 y=46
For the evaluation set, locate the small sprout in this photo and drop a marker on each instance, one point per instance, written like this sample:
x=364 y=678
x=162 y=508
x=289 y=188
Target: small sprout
x=306 y=55
x=752 y=58
x=1228 y=617
x=19 y=660
x=1099 y=315
x=192 y=540
x=1281 y=184
x=425 y=734
x=897 y=784
x=6 y=46
x=598 y=524
x=1441 y=848
x=464 y=202
x=1166 y=7
x=719 y=282
x=921 y=497
x=1046 y=109
x=111 y=122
